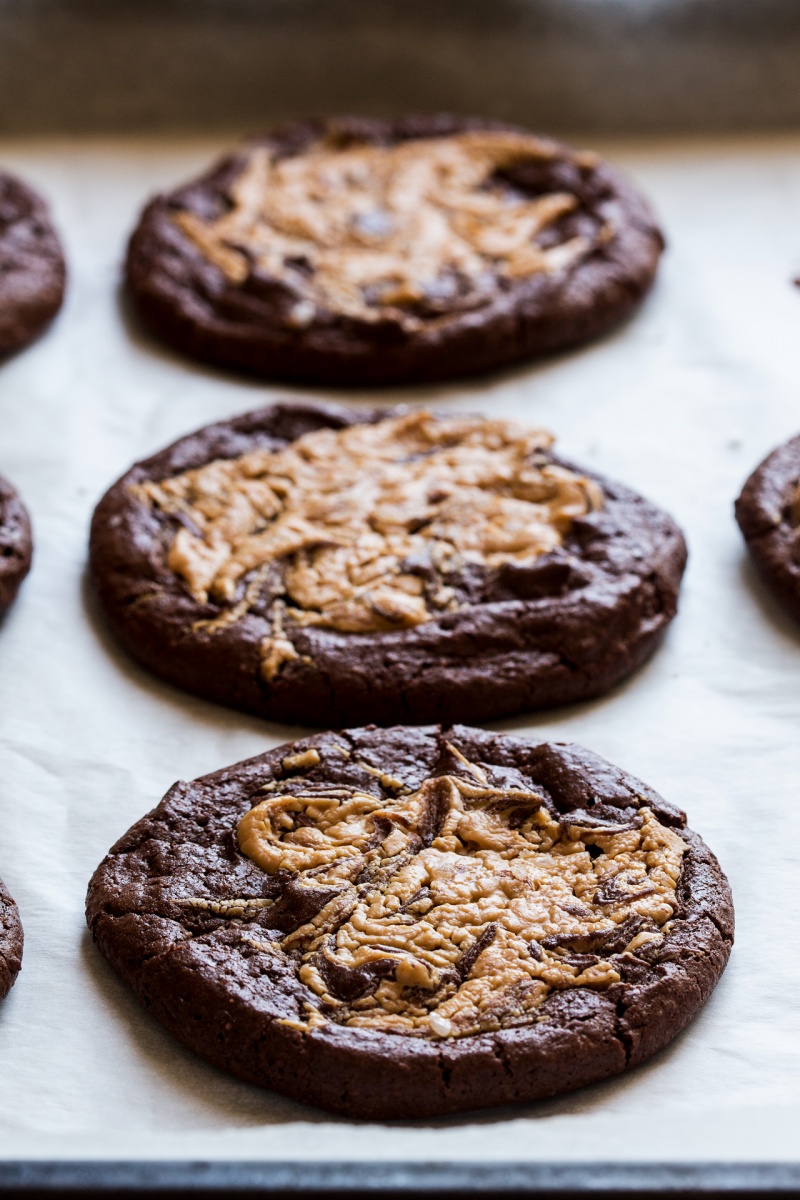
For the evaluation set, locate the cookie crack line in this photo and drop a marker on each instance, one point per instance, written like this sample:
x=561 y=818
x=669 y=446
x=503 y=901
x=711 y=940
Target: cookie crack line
x=723 y=928
x=454 y=908
x=621 y=1031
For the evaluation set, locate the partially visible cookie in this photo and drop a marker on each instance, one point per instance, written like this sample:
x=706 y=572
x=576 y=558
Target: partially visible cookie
x=16 y=546
x=356 y=251
x=768 y=513
x=324 y=565
x=10 y=942
x=32 y=270
x=416 y=921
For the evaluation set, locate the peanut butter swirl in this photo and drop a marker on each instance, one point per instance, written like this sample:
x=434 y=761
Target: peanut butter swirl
x=458 y=907
x=367 y=528
x=371 y=231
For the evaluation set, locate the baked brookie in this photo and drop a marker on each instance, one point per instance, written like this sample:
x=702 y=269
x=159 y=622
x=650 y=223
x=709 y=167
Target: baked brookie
x=11 y=940
x=16 y=545
x=324 y=566
x=357 y=251
x=416 y=921
x=768 y=513
x=32 y=271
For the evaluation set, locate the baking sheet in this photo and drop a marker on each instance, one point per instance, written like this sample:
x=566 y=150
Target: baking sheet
x=612 y=66
x=681 y=404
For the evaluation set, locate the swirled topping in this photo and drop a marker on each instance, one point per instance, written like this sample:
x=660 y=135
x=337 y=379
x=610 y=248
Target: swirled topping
x=460 y=906
x=410 y=230
x=367 y=528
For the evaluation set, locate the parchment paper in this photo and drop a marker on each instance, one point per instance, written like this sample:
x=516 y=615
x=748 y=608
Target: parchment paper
x=681 y=404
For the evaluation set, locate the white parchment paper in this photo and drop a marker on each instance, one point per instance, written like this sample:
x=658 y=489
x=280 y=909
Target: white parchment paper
x=681 y=404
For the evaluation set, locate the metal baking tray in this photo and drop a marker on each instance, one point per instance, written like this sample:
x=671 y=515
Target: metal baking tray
x=598 y=66
x=101 y=103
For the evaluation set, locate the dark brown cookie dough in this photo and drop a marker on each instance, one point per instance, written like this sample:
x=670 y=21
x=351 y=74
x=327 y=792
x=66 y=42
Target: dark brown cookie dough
x=32 y=271
x=768 y=513
x=414 y=568
x=16 y=546
x=10 y=942
x=360 y=251
x=415 y=921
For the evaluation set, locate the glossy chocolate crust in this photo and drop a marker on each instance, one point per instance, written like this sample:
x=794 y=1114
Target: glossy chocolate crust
x=16 y=546
x=222 y=998
x=32 y=271
x=763 y=514
x=187 y=301
x=10 y=942
x=566 y=629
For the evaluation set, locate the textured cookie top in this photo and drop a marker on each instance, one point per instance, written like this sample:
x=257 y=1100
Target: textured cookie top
x=412 y=229
x=458 y=905
x=371 y=526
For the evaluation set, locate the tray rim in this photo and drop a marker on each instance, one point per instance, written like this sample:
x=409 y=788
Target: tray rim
x=64 y=1177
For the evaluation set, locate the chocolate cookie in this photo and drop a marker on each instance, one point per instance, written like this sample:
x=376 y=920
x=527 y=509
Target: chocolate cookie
x=16 y=547
x=768 y=513
x=378 y=252
x=321 y=565
x=10 y=942
x=32 y=272
x=415 y=921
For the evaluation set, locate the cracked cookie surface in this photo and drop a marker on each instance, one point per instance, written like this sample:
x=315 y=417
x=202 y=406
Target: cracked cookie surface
x=416 y=920
x=11 y=940
x=768 y=514
x=16 y=544
x=358 y=251
x=32 y=271
x=320 y=564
